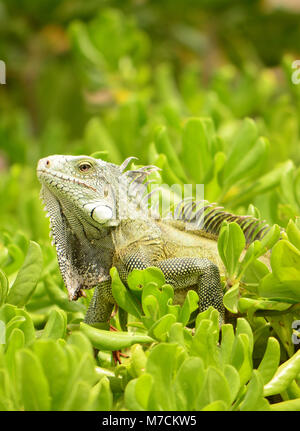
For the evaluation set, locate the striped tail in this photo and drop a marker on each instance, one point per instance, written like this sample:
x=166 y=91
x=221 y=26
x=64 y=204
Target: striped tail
x=208 y=217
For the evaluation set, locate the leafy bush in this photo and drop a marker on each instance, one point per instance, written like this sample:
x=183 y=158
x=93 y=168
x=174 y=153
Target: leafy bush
x=47 y=361
x=229 y=121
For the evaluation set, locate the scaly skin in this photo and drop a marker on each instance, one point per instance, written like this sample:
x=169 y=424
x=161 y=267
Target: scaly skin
x=98 y=220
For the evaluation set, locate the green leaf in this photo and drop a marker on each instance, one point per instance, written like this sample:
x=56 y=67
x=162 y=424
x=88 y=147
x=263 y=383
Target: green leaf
x=33 y=385
x=7 y=312
x=137 y=393
x=284 y=291
x=123 y=297
x=286 y=406
x=16 y=342
x=81 y=368
x=293 y=233
x=243 y=327
x=138 y=360
x=56 y=325
x=282 y=325
x=241 y=357
x=3 y=287
x=6 y=402
x=231 y=243
x=283 y=377
x=97 y=136
x=111 y=340
x=270 y=239
x=254 y=400
x=26 y=326
x=150 y=306
x=79 y=397
x=189 y=383
x=292 y=391
x=285 y=261
x=123 y=318
x=217 y=386
x=156 y=302
x=161 y=328
x=162 y=364
x=55 y=367
x=181 y=335
x=270 y=360
x=204 y=343
x=103 y=155
x=284 y=282
x=210 y=314
x=190 y=304
x=101 y=398
x=82 y=44
x=81 y=341
x=27 y=277
x=249 y=162
x=22 y=320
x=247 y=304
x=255 y=270
x=233 y=380
x=167 y=174
x=219 y=406
x=288 y=187
x=227 y=342
x=243 y=141
x=260 y=185
x=250 y=266
x=196 y=149
x=138 y=278
x=14 y=323
x=231 y=298
x=16 y=258
x=164 y=146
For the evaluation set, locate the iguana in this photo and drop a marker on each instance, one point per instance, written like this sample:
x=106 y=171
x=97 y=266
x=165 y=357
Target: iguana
x=99 y=218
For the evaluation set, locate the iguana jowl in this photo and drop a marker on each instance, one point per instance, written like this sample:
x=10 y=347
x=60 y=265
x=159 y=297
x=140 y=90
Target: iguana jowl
x=99 y=219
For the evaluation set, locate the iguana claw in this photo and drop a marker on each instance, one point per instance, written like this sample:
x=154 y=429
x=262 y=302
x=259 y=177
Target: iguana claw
x=117 y=353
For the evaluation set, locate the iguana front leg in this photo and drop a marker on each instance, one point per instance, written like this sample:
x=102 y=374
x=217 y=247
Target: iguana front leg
x=180 y=272
x=101 y=304
x=100 y=309
x=183 y=272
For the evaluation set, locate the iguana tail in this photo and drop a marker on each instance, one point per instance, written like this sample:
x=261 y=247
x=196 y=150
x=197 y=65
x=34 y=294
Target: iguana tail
x=208 y=218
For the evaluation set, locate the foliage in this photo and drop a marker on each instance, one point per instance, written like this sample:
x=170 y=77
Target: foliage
x=207 y=101
x=47 y=361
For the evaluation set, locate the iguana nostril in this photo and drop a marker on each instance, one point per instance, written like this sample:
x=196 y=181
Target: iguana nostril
x=48 y=163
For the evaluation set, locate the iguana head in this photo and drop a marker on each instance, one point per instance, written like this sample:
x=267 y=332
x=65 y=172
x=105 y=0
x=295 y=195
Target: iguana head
x=85 y=199
x=85 y=184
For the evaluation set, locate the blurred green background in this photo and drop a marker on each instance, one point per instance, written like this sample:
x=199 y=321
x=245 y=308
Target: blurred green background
x=145 y=78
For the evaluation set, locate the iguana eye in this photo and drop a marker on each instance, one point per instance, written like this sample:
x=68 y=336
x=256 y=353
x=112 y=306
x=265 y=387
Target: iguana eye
x=85 y=166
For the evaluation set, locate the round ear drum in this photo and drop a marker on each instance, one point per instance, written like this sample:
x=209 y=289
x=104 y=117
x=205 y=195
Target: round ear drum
x=102 y=213
x=99 y=212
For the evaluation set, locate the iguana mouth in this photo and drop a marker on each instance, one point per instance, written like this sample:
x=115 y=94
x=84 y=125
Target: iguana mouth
x=62 y=177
